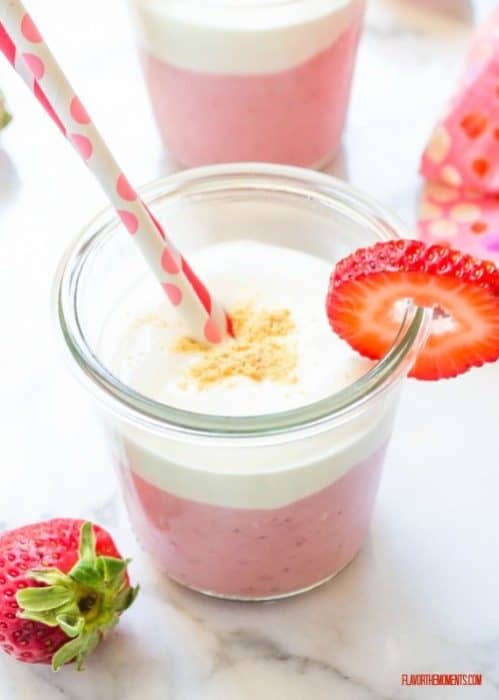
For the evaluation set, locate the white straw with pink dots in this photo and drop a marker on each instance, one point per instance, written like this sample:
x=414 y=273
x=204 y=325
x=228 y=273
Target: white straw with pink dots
x=22 y=44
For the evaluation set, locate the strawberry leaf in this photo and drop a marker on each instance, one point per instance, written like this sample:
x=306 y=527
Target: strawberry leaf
x=50 y=576
x=86 y=574
x=43 y=599
x=87 y=544
x=66 y=653
x=111 y=568
x=71 y=624
x=124 y=599
x=45 y=618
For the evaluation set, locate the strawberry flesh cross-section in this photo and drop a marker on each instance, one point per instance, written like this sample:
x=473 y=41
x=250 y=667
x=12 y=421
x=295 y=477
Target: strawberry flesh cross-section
x=368 y=287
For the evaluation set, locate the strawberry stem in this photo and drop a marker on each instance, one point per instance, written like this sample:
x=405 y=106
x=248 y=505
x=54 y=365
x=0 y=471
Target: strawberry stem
x=85 y=603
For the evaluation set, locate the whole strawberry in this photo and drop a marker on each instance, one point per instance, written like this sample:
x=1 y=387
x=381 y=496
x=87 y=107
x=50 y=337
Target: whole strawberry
x=63 y=585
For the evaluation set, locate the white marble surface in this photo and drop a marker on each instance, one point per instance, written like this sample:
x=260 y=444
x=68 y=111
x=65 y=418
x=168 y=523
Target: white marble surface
x=422 y=596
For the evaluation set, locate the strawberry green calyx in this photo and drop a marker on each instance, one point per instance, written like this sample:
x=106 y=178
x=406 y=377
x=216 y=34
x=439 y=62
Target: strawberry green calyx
x=4 y=115
x=85 y=603
x=5 y=118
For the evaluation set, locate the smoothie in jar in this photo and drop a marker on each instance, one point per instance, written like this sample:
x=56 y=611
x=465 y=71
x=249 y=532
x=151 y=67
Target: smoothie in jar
x=249 y=468
x=247 y=523
x=249 y=80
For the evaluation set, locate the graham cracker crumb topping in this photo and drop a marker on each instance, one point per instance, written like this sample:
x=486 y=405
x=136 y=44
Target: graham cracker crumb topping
x=262 y=348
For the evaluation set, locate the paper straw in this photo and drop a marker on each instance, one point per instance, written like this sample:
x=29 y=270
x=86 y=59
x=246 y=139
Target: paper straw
x=22 y=44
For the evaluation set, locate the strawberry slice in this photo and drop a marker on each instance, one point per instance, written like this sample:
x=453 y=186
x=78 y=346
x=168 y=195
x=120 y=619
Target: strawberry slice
x=365 y=304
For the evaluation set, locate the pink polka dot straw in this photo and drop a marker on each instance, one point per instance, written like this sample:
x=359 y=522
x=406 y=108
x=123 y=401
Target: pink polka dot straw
x=22 y=44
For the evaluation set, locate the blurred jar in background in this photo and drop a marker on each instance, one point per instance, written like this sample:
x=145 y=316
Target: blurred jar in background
x=249 y=80
x=455 y=9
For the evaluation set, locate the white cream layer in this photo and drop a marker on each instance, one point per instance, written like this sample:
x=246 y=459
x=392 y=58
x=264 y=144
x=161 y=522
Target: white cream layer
x=245 y=37
x=249 y=473
x=139 y=337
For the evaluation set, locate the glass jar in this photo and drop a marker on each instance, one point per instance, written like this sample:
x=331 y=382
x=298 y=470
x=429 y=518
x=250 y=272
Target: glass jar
x=250 y=80
x=252 y=507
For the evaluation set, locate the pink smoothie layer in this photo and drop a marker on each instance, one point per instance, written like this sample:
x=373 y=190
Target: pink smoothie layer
x=251 y=553
x=294 y=116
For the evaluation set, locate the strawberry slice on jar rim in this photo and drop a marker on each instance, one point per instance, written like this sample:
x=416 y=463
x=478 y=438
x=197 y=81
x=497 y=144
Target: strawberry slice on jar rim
x=369 y=290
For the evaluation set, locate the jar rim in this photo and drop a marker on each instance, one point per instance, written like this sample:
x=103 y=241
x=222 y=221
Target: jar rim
x=137 y=408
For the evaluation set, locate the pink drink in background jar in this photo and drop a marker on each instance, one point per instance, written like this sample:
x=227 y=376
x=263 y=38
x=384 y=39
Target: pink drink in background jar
x=249 y=80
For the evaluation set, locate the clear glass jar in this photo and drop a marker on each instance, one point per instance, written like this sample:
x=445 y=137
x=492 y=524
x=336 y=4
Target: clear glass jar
x=250 y=80
x=241 y=507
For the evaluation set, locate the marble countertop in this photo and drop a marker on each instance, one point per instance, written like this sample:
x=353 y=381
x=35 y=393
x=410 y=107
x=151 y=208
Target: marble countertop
x=422 y=595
